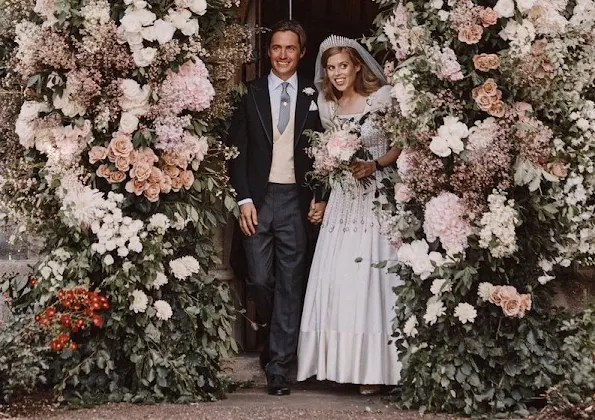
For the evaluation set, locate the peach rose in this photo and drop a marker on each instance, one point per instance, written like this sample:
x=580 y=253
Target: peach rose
x=156 y=175
x=176 y=183
x=165 y=184
x=111 y=155
x=141 y=171
x=182 y=162
x=486 y=62
x=488 y=16
x=171 y=170
x=559 y=170
x=103 y=171
x=135 y=186
x=470 y=34
x=512 y=306
x=152 y=192
x=187 y=178
x=484 y=102
x=147 y=154
x=121 y=145
x=490 y=87
x=497 y=109
x=169 y=158
x=500 y=294
x=116 y=177
x=96 y=154
x=526 y=302
x=123 y=163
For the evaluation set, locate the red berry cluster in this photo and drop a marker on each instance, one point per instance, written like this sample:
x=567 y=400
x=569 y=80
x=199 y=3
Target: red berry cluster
x=79 y=310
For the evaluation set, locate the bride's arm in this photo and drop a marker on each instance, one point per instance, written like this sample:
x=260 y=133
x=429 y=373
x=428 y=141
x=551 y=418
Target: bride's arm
x=364 y=169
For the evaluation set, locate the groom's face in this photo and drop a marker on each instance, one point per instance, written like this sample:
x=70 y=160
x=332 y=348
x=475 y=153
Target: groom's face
x=285 y=53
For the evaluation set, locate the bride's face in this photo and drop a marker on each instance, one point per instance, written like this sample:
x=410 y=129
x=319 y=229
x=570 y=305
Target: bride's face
x=341 y=71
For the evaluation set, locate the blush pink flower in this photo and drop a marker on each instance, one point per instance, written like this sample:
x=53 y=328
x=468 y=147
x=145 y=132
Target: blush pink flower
x=445 y=220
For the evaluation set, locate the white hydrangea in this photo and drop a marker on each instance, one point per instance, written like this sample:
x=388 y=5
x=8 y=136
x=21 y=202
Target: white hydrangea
x=159 y=222
x=519 y=35
x=440 y=286
x=465 y=313
x=160 y=280
x=482 y=134
x=139 y=302
x=410 y=327
x=484 y=290
x=434 y=310
x=416 y=256
x=163 y=310
x=498 y=226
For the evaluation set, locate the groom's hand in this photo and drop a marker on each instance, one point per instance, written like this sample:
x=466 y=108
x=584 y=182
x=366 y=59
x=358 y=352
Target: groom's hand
x=248 y=219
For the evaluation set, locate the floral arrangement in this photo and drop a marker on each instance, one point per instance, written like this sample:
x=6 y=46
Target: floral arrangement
x=333 y=151
x=120 y=166
x=493 y=197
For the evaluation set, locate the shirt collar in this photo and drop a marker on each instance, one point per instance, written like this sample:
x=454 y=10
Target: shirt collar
x=275 y=81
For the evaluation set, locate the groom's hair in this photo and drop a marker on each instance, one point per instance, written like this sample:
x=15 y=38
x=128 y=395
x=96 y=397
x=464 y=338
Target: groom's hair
x=289 y=25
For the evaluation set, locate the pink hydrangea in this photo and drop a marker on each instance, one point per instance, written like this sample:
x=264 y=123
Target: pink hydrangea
x=445 y=220
x=187 y=89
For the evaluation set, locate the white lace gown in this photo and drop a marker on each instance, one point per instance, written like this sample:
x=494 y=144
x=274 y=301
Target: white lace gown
x=348 y=310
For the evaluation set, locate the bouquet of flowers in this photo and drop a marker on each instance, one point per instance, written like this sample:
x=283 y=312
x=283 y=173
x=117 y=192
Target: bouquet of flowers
x=333 y=151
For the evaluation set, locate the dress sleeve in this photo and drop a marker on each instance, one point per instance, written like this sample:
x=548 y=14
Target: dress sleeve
x=324 y=110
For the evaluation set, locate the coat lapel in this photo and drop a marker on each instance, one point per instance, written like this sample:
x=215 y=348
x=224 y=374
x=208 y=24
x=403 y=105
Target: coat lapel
x=301 y=110
x=262 y=100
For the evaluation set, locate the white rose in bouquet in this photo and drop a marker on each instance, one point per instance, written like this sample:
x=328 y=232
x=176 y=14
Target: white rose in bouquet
x=164 y=31
x=128 y=123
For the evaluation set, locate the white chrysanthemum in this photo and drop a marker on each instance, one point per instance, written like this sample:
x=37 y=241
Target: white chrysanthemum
x=409 y=329
x=79 y=205
x=465 y=313
x=163 y=309
x=184 y=267
x=159 y=222
x=139 y=304
x=484 y=289
x=160 y=280
x=440 y=286
x=434 y=310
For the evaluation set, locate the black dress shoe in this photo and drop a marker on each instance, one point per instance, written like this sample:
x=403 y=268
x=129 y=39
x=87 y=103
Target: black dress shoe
x=278 y=385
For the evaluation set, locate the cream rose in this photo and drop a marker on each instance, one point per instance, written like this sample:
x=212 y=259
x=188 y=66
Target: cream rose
x=134 y=98
x=198 y=6
x=505 y=8
x=97 y=154
x=128 y=123
x=164 y=31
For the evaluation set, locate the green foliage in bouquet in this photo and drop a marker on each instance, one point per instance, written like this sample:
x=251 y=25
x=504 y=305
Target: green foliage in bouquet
x=493 y=196
x=121 y=169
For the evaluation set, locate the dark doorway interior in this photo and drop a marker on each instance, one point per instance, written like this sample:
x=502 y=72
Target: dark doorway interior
x=320 y=18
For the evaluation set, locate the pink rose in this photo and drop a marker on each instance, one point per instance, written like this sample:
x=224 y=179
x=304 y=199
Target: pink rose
x=123 y=163
x=165 y=184
x=488 y=16
x=172 y=171
x=156 y=175
x=470 y=34
x=103 y=171
x=402 y=193
x=116 y=177
x=499 y=294
x=96 y=154
x=176 y=184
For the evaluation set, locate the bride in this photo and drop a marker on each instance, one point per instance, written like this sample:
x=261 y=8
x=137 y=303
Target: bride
x=346 y=323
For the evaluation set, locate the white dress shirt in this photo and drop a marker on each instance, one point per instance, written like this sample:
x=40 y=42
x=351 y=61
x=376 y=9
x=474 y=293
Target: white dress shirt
x=275 y=90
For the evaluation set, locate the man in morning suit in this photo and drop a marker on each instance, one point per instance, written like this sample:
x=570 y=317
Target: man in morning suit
x=276 y=205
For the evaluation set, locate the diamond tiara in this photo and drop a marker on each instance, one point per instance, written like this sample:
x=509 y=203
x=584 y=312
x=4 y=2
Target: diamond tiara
x=338 y=41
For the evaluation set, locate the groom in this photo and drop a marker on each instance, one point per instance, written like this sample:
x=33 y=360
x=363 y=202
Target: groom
x=276 y=206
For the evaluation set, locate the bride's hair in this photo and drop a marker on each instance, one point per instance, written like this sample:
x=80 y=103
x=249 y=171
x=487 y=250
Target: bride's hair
x=366 y=82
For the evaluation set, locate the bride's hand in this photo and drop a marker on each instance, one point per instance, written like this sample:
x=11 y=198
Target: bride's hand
x=362 y=170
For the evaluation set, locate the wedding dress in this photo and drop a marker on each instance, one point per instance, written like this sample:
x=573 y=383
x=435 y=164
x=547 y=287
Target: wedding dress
x=348 y=310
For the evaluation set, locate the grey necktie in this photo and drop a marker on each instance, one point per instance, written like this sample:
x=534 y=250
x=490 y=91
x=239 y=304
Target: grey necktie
x=284 y=107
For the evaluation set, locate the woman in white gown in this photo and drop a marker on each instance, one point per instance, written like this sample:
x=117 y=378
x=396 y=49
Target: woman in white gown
x=347 y=317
